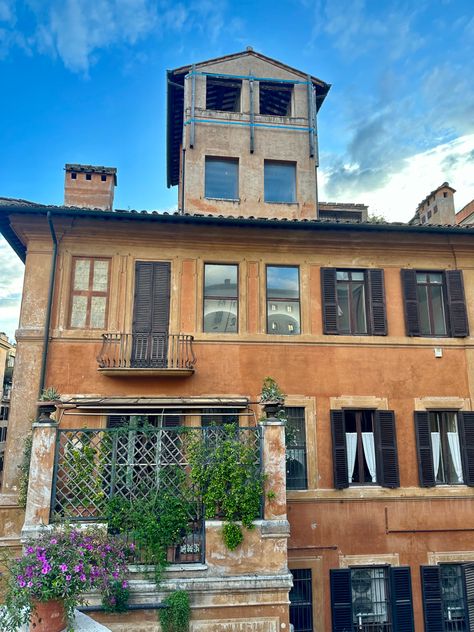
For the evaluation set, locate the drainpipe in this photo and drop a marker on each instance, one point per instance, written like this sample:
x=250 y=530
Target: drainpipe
x=183 y=179
x=52 y=275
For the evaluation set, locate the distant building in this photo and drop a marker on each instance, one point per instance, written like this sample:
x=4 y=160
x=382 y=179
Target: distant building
x=437 y=207
x=466 y=214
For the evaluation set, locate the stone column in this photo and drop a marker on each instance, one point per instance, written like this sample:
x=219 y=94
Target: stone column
x=274 y=467
x=41 y=477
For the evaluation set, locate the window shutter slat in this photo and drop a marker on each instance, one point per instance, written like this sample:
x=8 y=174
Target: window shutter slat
x=142 y=308
x=329 y=298
x=410 y=297
x=161 y=297
x=432 y=603
x=341 y=599
x=378 y=314
x=339 y=451
x=466 y=436
x=386 y=446
x=468 y=571
x=425 y=453
x=402 y=601
x=457 y=304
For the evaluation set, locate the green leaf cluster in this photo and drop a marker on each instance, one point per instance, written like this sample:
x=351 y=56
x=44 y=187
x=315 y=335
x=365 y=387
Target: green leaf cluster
x=24 y=468
x=226 y=474
x=175 y=616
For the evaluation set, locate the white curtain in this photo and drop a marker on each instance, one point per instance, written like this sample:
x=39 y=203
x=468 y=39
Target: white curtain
x=369 y=451
x=351 y=446
x=453 y=441
x=436 y=447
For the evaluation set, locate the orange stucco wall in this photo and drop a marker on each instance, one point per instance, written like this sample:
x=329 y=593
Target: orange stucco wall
x=399 y=371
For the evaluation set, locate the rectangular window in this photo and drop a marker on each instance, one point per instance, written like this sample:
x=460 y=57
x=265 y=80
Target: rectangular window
x=353 y=302
x=301 y=600
x=221 y=298
x=295 y=435
x=219 y=417
x=364 y=448
x=435 y=303
x=223 y=94
x=275 y=98
x=222 y=178
x=283 y=291
x=372 y=599
x=445 y=448
x=431 y=302
x=360 y=443
x=447 y=593
x=89 y=293
x=280 y=181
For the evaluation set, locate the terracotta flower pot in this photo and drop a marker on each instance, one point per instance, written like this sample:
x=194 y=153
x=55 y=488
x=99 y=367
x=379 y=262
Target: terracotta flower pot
x=48 y=616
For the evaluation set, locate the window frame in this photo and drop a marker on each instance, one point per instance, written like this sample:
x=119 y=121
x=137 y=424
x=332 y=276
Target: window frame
x=282 y=300
x=222 y=80
x=89 y=292
x=387 y=591
x=444 y=292
x=286 y=86
x=360 y=453
x=204 y=297
x=298 y=447
x=292 y=163
x=444 y=446
x=228 y=160
x=352 y=317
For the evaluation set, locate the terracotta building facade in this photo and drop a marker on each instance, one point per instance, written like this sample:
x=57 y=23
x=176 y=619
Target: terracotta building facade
x=366 y=328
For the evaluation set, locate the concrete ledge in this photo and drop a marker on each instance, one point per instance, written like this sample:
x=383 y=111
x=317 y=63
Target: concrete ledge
x=275 y=529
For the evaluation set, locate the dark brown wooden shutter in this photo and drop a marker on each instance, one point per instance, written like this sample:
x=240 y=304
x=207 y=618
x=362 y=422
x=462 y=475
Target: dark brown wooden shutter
x=425 y=452
x=456 y=304
x=329 y=298
x=151 y=313
x=410 y=296
x=466 y=439
x=339 y=451
x=378 y=316
x=402 y=600
x=386 y=448
x=432 y=603
x=468 y=571
x=341 y=599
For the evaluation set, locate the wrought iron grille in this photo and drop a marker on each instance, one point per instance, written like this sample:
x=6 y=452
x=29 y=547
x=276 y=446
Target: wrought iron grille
x=130 y=462
x=453 y=598
x=301 y=601
x=371 y=610
x=296 y=466
x=157 y=350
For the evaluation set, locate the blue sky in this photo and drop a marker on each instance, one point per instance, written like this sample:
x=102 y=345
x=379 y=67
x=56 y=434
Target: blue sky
x=84 y=81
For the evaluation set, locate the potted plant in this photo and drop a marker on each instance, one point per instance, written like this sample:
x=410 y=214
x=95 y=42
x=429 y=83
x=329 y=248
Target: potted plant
x=272 y=397
x=47 y=403
x=47 y=582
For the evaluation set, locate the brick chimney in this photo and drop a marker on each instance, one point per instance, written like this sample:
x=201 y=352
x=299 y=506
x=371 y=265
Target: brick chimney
x=87 y=186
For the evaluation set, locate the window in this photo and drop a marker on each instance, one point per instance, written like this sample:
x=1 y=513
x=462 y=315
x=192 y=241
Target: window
x=73 y=176
x=219 y=417
x=423 y=219
x=221 y=298
x=223 y=94
x=445 y=445
x=301 y=600
x=283 y=291
x=222 y=178
x=364 y=448
x=371 y=599
x=447 y=591
x=88 y=176
x=295 y=435
x=275 y=98
x=435 y=303
x=280 y=181
x=429 y=214
x=89 y=293
x=103 y=178
x=353 y=302
x=445 y=194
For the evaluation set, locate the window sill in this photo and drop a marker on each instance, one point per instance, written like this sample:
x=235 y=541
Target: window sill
x=218 y=199
x=281 y=203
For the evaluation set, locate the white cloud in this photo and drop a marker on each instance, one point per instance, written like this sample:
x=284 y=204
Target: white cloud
x=11 y=283
x=398 y=194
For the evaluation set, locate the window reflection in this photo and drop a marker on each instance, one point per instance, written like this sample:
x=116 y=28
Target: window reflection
x=220 y=298
x=283 y=306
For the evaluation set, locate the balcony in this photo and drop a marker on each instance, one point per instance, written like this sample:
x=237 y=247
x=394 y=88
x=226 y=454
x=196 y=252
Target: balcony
x=158 y=353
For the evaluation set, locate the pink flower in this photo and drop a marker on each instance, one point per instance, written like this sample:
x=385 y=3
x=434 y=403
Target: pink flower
x=82 y=577
x=68 y=578
x=63 y=568
x=124 y=584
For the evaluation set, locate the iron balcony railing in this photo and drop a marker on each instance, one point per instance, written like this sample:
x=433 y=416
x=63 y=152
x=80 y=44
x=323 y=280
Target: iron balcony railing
x=157 y=350
x=92 y=466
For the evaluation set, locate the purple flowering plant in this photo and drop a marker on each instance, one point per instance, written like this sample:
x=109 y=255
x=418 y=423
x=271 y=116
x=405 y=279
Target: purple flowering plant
x=64 y=565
